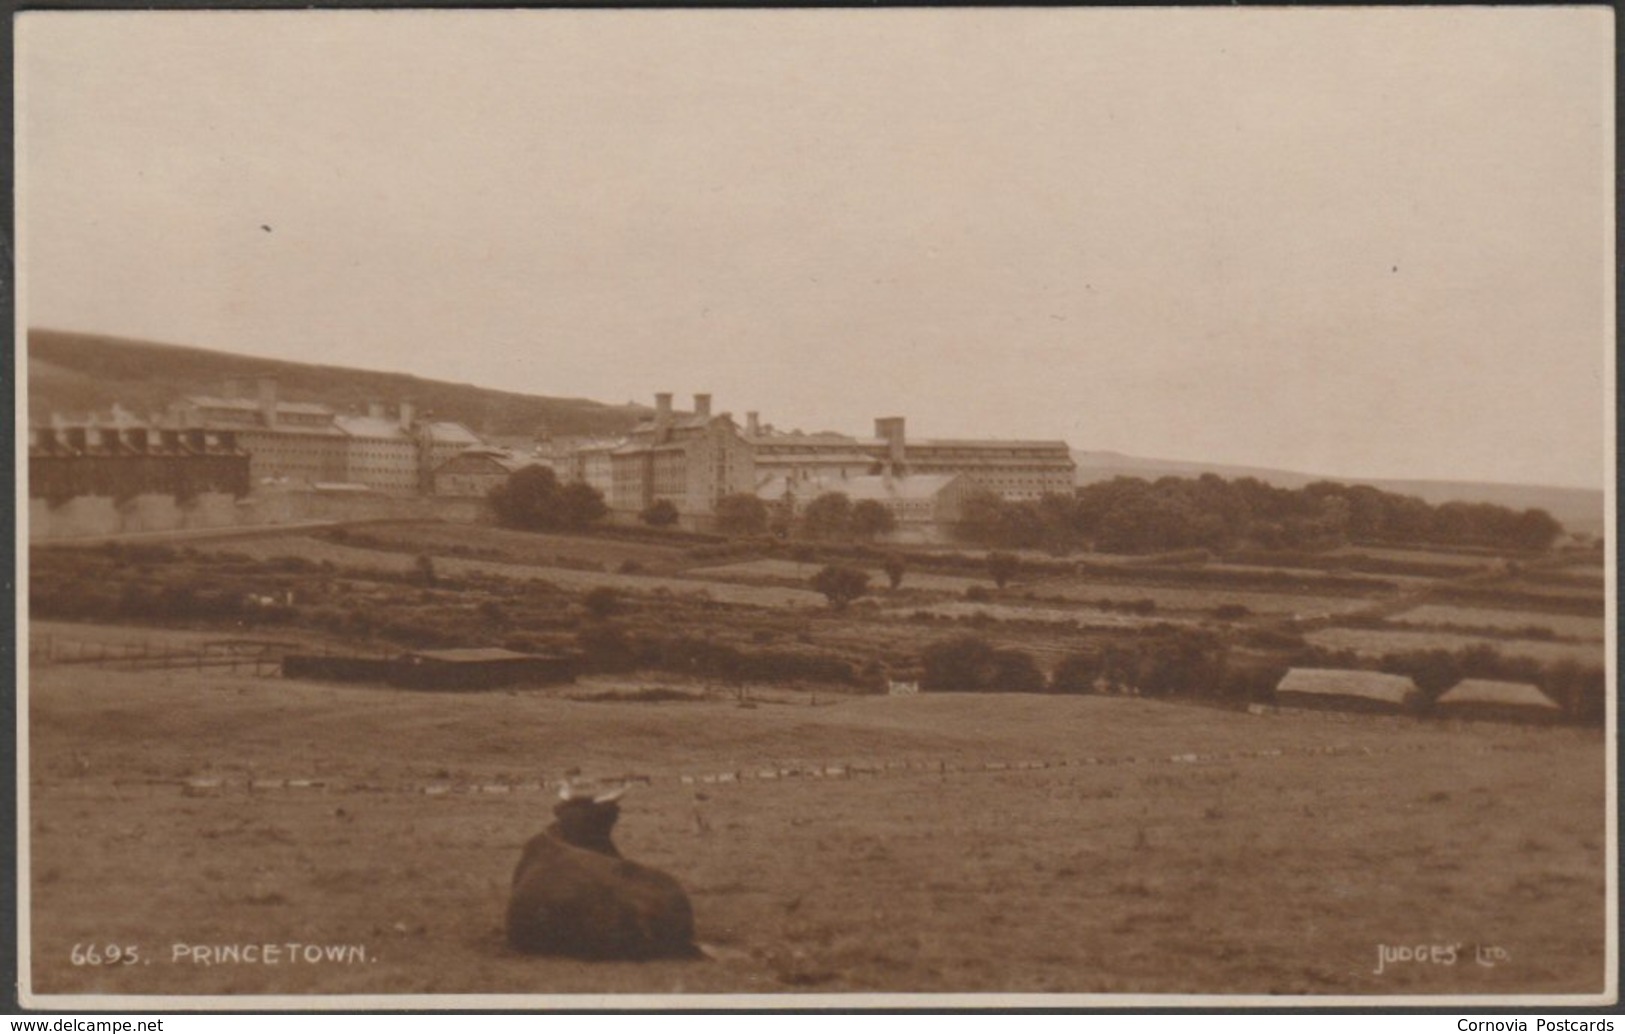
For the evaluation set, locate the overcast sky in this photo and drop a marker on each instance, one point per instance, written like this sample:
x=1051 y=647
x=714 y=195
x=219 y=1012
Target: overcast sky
x=1367 y=243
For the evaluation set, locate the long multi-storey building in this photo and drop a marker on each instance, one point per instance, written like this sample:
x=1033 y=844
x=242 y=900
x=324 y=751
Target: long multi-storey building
x=794 y=455
x=695 y=459
x=300 y=444
x=125 y=460
x=1014 y=469
x=286 y=442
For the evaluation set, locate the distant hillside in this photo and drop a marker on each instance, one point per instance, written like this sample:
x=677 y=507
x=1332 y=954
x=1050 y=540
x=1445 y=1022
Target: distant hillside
x=1579 y=509
x=76 y=374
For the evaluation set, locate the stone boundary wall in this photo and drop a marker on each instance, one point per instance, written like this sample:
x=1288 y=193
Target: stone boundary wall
x=103 y=517
x=209 y=785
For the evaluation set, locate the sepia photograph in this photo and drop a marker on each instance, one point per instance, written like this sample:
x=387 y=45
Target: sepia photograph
x=962 y=507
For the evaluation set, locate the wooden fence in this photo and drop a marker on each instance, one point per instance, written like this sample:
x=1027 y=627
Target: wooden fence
x=261 y=657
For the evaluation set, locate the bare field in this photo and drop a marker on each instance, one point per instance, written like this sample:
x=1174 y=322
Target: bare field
x=1171 y=598
x=786 y=569
x=525 y=547
x=1222 y=874
x=1465 y=561
x=318 y=550
x=1311 y=573
x=1018 y=611
x=1376 y=642
x=1498 y=620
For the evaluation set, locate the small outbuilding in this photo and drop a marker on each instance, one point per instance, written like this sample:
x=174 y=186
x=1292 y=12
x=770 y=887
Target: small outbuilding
x=1497 y=701
x=1341 y=689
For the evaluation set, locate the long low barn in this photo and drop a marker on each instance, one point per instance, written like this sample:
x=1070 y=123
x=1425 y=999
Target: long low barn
x=1496 y=700
x=1345 y=690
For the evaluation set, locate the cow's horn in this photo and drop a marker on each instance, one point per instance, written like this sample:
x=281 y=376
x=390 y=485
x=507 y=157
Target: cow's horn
x=609 y=796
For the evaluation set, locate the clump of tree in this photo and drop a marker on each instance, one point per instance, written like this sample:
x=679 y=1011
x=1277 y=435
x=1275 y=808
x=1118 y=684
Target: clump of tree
x=1580 y=689
x=1168 y=663
x=840 y=584
x=1002 y=567
x=970 y=664
x=601 y=601
x=741 y=514
x=662 y=513
x=895 y=567
x=423 y=570
x=1076 y=673
x=1133 y=515
x=829 y=516
x=870 y=520
x=533 y=499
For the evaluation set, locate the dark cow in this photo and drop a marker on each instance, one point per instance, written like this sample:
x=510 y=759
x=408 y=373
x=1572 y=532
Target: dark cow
x=574 y=895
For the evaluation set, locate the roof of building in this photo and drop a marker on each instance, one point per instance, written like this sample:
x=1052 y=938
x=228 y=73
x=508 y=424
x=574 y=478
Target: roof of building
x=371 y=427
x=501 y=457
x=1490 y=692
x=985 y=443
x=215 y=402
x=1329 y=682
x=310 y=431
x=790 y=439
x=451 y=432
x=678 y=421
x=440 y=431
x=819 y=458
x=591 y=444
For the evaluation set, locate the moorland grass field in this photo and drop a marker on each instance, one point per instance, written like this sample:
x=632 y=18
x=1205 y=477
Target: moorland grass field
x=1164 y=848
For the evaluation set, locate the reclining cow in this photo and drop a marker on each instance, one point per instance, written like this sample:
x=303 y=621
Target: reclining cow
x=574 y=895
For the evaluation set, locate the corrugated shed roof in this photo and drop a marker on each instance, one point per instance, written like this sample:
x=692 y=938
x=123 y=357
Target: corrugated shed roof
x=1491 y=692
x=1328 y=682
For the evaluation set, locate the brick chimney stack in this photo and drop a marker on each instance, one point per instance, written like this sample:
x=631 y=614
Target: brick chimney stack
x=702 y=406
x=267 y=398
x=890 y=430
x=662 y=412
x=753 y=423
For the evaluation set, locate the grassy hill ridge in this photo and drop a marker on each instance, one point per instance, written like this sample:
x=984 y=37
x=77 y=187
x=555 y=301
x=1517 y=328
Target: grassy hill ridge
x=75 y=374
